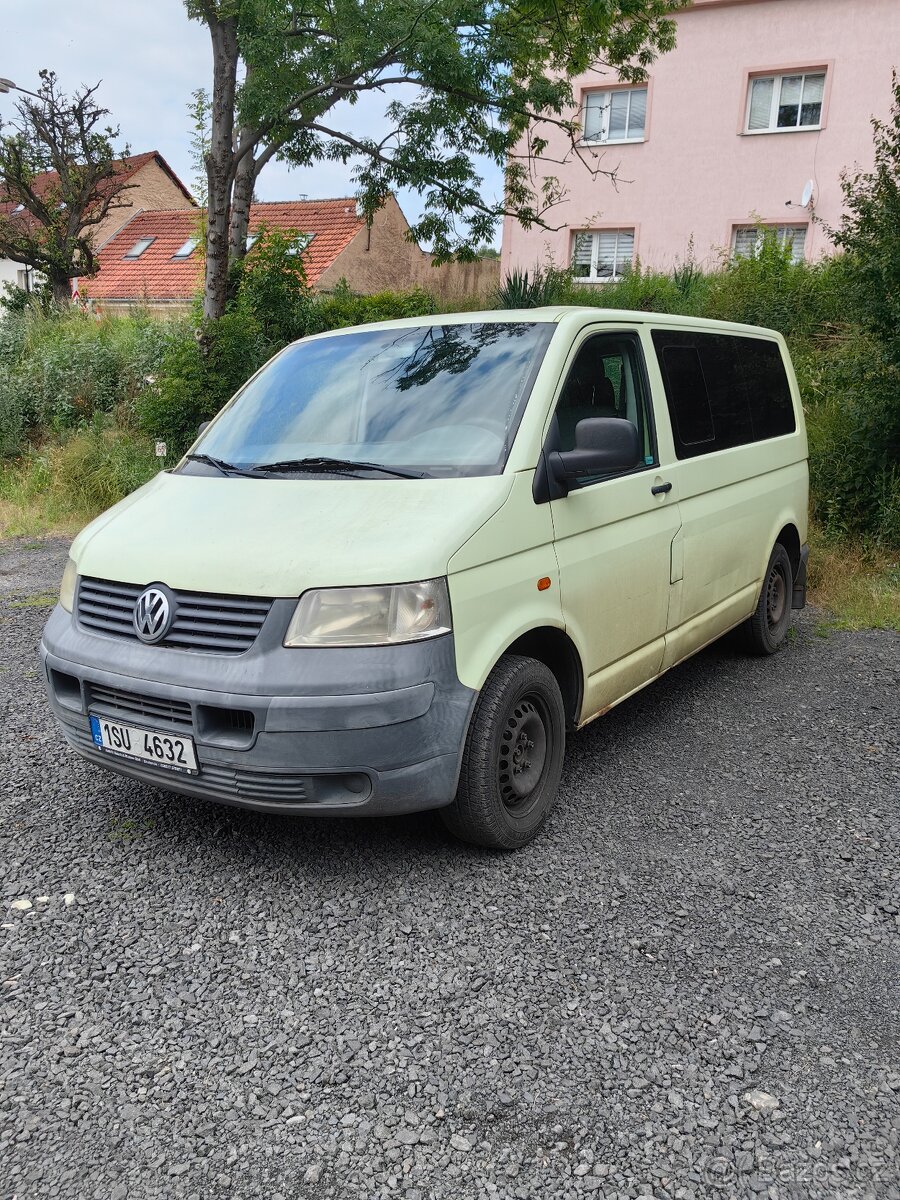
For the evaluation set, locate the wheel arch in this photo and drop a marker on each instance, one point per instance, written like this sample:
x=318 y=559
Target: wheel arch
x=556 y=650
x=789 y=537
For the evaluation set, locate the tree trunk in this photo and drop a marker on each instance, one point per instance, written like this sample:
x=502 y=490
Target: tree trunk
x=248 y=170
x=244 y=182
x=220 y=166
x=61 y=288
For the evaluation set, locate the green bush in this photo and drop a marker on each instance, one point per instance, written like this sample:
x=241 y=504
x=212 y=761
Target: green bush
x=343 y=308
x=869 y=233
x=271 y=287
x=197 y=377
x=58 y=370
x=12 y=414
x=542 y=286
x=853 y=422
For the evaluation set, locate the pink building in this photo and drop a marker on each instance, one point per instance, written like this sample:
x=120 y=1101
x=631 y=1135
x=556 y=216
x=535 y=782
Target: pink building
x=760 y=99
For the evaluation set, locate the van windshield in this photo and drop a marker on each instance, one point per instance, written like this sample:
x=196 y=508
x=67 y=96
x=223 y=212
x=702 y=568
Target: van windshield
x=431 y=400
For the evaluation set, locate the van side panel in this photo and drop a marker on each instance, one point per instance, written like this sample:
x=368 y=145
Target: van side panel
x=728 y=530
x=733 y=504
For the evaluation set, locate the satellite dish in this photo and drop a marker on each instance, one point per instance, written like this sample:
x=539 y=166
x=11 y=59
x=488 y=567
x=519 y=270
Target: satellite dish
x=807 y=194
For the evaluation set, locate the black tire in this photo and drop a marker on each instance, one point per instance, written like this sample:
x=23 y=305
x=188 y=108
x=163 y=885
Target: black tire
x=513 y=757
x=765 y=631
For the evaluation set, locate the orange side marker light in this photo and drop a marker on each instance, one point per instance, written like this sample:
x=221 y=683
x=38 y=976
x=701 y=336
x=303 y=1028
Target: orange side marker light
x=544 y=583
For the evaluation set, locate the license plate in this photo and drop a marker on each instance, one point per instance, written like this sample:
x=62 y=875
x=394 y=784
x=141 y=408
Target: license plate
x=165 y=750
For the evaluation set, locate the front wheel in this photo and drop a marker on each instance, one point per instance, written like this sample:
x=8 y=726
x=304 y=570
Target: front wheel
x=513 y=757
x=767 y=628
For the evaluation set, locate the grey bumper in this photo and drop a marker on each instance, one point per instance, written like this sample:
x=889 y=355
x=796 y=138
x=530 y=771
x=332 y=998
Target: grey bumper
x=372 y=730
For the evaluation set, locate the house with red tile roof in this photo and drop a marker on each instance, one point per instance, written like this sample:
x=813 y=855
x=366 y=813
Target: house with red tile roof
x=152 y=184
x=155 y=261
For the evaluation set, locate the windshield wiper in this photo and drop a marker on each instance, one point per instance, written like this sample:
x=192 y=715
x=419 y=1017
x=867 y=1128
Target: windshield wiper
x=322 y=463
x=225 y=467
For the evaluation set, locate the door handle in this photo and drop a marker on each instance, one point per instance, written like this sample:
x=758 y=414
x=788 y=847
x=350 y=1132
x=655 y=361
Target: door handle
x=660 y=489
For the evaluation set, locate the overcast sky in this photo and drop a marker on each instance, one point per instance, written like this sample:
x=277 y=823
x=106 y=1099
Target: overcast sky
x=150 y=58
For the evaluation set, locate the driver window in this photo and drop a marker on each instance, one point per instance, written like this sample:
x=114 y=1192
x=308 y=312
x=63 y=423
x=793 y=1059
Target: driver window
x=605 y=381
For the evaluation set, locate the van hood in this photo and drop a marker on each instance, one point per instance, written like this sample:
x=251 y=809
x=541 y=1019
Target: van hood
x=278 y=537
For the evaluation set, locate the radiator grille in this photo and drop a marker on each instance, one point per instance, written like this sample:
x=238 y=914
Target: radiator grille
x=145 y=710
x=218 y=624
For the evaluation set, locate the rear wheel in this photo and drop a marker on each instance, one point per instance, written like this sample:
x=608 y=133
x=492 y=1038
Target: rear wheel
x=513 y=757
x=767 y=628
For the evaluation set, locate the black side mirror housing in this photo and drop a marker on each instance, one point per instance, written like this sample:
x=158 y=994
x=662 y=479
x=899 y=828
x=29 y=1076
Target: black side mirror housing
x=603 y=446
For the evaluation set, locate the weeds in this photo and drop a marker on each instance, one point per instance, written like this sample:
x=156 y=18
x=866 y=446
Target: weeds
x=42 y=600
x=858 y=584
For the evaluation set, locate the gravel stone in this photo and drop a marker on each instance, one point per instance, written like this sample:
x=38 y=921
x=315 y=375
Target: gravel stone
x=761 y=1101
x=710 y=914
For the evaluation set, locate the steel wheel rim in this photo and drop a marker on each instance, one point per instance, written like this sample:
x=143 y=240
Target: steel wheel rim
x=524 y=755
x=776 y=598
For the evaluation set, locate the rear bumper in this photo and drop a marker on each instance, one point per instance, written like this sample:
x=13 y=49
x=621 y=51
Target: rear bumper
x=320 y=738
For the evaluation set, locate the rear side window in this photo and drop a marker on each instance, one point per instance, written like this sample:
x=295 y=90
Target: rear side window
x=723 y=390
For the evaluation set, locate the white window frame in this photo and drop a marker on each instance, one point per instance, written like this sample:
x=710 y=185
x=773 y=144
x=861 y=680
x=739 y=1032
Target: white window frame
x=595 y=235
x=604 y=139
x=781 y=231
x=778 y=78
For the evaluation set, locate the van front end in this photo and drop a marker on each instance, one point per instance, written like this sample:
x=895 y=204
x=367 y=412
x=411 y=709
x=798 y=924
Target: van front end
x=221 y=708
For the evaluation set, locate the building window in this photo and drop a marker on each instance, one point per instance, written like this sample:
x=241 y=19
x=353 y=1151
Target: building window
x=747 y=240
x=187 y=249
x=615 y=116
x=602 y=256
x=781 y=102
x=139 y=247
x=300 y=243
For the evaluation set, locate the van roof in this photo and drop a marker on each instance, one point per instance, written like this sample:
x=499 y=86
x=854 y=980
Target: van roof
x=575 y=315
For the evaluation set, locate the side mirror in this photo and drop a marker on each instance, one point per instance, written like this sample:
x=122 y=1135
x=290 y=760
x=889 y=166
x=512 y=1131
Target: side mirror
x=603 y=446
x=202 y=427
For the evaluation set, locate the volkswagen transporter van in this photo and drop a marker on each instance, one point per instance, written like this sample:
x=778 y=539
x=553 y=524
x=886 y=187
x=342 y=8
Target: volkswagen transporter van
x=407 y=559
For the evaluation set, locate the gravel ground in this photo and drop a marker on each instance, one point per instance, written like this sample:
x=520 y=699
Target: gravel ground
x=686 y=988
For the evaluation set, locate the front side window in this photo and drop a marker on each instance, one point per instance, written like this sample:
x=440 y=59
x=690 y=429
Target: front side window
x=433 y=399
x=747 y=240
x=605 y=380
x=602 y=256
x=615 y=115
x=783 y=102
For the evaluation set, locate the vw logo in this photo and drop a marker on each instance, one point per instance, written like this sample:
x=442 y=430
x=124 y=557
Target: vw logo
x=153 y=615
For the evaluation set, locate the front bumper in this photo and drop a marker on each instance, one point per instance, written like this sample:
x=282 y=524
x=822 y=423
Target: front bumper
x=369 y=731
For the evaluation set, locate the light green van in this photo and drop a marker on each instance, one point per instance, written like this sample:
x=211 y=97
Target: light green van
x=407 y=559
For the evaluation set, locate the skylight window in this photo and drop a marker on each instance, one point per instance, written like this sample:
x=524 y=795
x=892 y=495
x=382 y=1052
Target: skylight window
x=19 y=208
x=139 y=247
x=301 y=243
x=187 y=249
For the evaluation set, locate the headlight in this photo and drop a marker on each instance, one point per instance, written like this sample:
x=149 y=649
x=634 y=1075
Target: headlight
x=370 y=616
x=67 y=587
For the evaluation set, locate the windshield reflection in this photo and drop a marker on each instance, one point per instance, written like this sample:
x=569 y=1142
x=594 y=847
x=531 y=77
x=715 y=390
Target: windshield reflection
x=432 y=399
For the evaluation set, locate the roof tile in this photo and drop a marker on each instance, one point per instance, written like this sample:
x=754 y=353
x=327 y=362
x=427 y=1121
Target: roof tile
x=157 y=276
